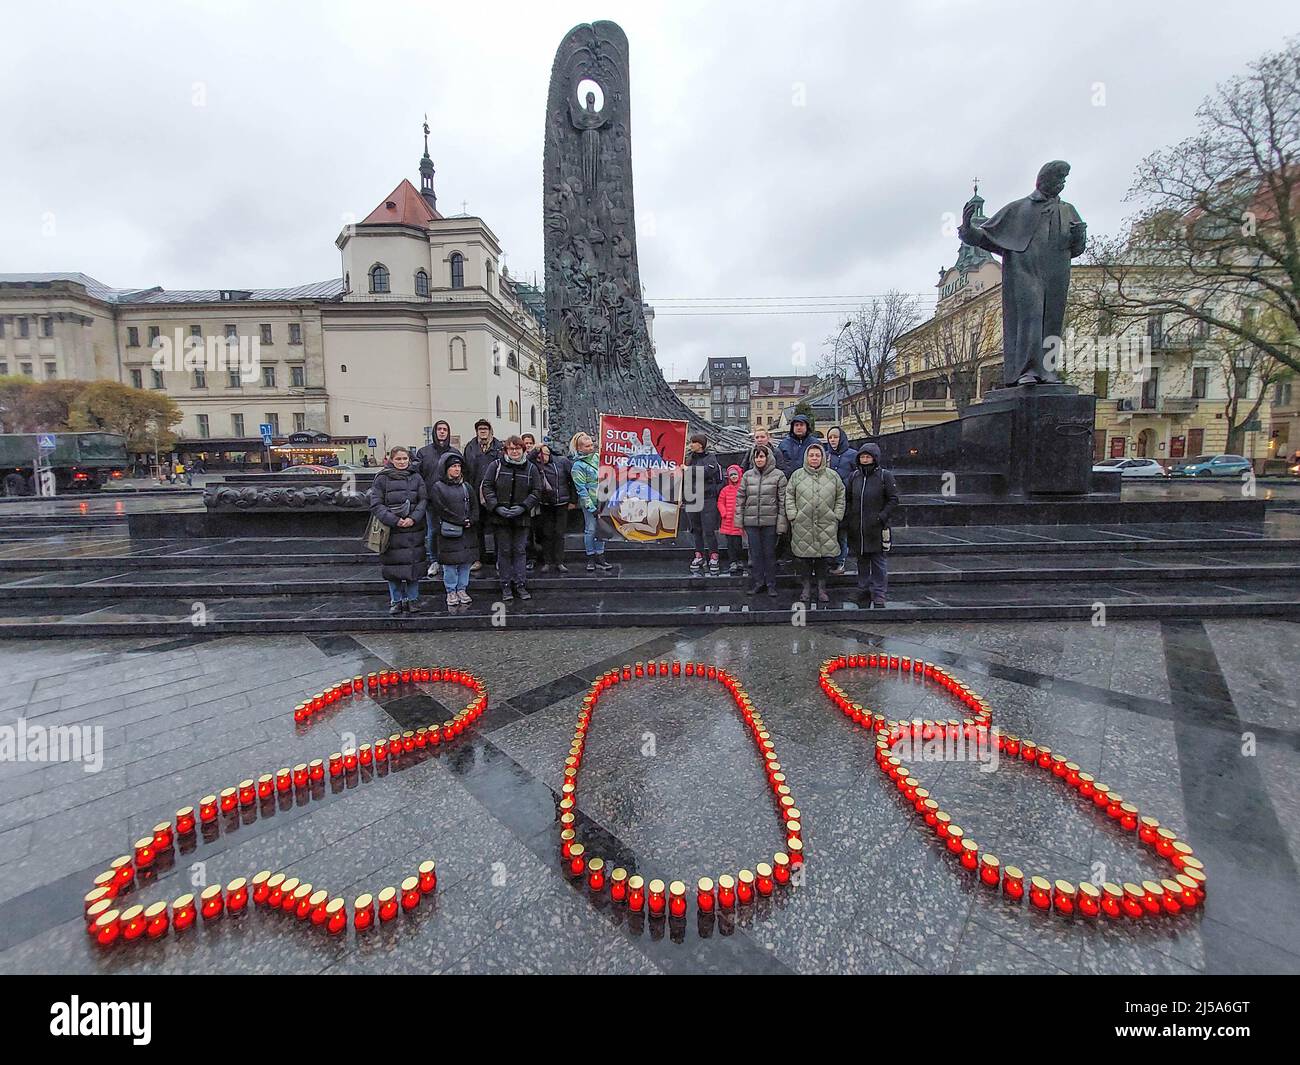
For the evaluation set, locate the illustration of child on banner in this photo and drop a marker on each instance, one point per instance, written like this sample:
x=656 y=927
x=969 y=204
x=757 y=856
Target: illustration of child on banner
x=641 y=477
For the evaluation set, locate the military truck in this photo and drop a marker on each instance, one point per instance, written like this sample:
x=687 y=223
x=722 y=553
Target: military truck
x=81 y=462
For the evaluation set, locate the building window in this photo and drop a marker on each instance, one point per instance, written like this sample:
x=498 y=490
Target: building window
x=266 y=334
x=51 y=371
x=297 y=377
x=137 y=379
x=47 y=327
x=421 y=283
x=202 y=419
x=154 y=335
x=498 y=406
x=458 y=354
x=273 y=420
x=132 y=333
x=379 y=278
x=268 y=376
x=299 y=422
x=343 y=367
x=2 y=328
x=532 y=416
x=237 y=425
x=196 y=331
x=200 y=379
x=347 y=418
x=26 y=369
x=157 y=381
x=233 y=380
x=458 y=272
x=295 y=333
x=1200 y=381
x=1101 y=384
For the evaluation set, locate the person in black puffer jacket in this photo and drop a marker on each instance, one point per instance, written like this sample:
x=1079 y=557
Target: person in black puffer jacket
x=871 y=499
x=557 y=499
x=428 y=460
x=511 y=488
x=703 y=519
x=454 y=505
x=479 y=454
x=399 y=499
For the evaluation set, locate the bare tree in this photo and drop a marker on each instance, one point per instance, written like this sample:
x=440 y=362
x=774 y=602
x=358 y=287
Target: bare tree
x=1242 y=364
x=1216 y=228
x=956 y=345
x=865 y=350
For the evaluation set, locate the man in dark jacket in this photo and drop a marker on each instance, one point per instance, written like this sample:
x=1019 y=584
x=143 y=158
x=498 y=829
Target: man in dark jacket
x=480 y=453
x=795 y=444
x=428 y=460
x=702 y=517
x=557 y=499
x=871 y=499
x=511 y=488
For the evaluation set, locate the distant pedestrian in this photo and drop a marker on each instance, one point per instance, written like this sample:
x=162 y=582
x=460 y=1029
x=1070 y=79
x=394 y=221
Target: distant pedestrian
x=814 y=503
x=760 y=511
x=398 y=498
x=584 y=471
x=511 y=488
x=871 y=502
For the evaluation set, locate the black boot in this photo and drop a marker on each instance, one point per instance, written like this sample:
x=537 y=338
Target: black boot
x=806 y=594
x=521 y=590
x=822 y=597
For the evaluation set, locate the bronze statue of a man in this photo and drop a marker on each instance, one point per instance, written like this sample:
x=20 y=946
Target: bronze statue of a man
x=1037 y=237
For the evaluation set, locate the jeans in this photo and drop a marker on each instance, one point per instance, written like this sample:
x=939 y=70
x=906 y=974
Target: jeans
x=512 y=551
x=762 y=554
x=735 y=550
x=873 y=575
x=589 y=541
x=844 y=545
x=455 y=578
x=704 y=528
x=430 y=539
x=551 y=526
x=399 y=590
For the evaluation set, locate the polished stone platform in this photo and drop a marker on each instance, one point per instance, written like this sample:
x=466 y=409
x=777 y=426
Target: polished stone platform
x=670 y=786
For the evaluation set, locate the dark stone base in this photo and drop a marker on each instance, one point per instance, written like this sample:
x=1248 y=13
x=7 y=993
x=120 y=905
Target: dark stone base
x=1042 y=434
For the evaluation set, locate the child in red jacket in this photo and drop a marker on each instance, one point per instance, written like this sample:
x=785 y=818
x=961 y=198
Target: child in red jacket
x=728 y=526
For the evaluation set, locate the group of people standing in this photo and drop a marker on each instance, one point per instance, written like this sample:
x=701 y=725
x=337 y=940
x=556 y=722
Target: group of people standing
x=816 y=500
x=819 y=500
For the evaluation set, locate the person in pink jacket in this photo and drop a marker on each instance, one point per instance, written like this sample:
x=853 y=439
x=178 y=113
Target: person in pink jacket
x=728 y=527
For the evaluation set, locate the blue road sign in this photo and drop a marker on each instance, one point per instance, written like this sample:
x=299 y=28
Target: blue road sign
x=371 y=442
x=265 y=429
x=45 y=441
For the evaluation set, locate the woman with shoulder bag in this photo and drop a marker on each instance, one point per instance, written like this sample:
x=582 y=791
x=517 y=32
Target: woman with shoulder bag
x=454 y=507
x=398 y=500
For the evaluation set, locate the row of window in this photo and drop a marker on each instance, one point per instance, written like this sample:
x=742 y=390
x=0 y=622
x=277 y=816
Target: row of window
x=27 y=370
x=297 y=378
x=381 y=280
x=731 y=413
x=513 y=408
x=729 y=393
x=24 y=326
x=237 y=424
x=266 y=337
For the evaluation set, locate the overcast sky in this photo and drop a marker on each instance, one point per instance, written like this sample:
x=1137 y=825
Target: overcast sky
x=780 y=149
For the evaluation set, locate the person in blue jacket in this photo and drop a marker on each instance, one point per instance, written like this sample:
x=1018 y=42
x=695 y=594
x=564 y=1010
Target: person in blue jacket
x=841 y=458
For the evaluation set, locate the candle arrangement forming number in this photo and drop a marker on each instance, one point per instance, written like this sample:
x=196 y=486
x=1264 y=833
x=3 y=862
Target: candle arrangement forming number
x=633 y=891
x=108 y=917
x=1185 y=889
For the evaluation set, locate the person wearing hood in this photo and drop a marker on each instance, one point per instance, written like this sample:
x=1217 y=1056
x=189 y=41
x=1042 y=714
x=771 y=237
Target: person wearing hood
x=399 y=499
x=510 y=490
x=454 y=508
x=871 y=502
x=703 y=519
x=557 y=499
x=584 y=471
x=428 y=460
x=760 y=511
x=727 y=525
x=795 y=444
x=841 y=458
x=814 y=503
x=479 y=454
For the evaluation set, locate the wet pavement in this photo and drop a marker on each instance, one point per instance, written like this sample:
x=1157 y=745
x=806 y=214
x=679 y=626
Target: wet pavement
x=1195 y=721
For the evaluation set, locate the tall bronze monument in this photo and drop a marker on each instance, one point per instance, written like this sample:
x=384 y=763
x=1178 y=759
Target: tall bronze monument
x=599 y=357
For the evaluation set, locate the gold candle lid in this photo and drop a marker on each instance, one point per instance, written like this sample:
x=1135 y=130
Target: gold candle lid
x=245 y=784
x=635 y=883
x=745 y=876
x=795 y=845
x=1072 y=767
x=363 y=902
x=792 y=814
x=290 y=885
x=143 y=841
x=207 y=800
x=96 y=908
x=1170 y=886
x=1190 y=863
x=969 y=845
x=317 y=763
x=941 y=816
x=1149 y=822
x=1040 y=883
x=1013 y=872
x=213 y=892
x=764 y=870
x=228 y=793
x=567 y=835
x=156 y=910
x=302 y=891
x=301 y=767
x=427 y=867
x=107 y=918
x=990 y=860
x=577 y=850
x=1128 y=808
x=1166 y=833
x=1086 y=778
x=1182 y=848
x=1152 y=888
x=238 y=884
x=1112 y=890
x=656 y=887
x=162 y=826
x=781 y=858
x=132 y=912
x=618 y=874
x=333 y=906
x=275 y=880
x=955 y=832
x=596 y=865
x=1183 y=880
x=1090 y=890
x=318 y=897
x=677 y=888
x=725 y=882
x=1133 y=890
x=410 y=883
x=1064 y=887
x=705 y=885
x=387 y=895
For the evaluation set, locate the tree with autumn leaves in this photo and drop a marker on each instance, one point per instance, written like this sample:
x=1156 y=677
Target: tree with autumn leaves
x=145 y=417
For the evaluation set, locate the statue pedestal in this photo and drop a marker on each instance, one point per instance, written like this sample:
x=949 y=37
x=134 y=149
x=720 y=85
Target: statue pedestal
x=1040 y=434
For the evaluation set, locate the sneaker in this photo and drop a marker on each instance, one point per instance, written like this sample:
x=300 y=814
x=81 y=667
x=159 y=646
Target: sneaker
x=394 y=610
x=751 y=589
x=839 y=570
x=545 y=567
x=562 y=568
x=463 y=597
x=452 y=599
x=601 y=564
x=714 y=568
x=507 y=594
x=771 y=590
x=528 y=567
x=591 y=565
x=878 y=605
x=735 y=570
x=697 y=563
x=412 y=606
x=522 y=591
x=476 y=567
x=433 y=570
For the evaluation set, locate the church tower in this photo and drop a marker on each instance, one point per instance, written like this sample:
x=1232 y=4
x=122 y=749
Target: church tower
x=426 y=173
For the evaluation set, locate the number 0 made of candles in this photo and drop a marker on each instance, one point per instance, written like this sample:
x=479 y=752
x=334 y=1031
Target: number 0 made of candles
x=1183 y=889
x=112 y=912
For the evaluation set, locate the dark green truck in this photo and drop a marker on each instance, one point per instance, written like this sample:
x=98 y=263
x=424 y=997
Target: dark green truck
x=80 y=461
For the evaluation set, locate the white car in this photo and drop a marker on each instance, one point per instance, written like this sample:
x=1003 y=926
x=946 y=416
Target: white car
x=1132 y=467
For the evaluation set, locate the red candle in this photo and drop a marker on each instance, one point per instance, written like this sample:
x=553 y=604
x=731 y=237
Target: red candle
x=956 y=838
x=229 y=799
x=618 y=884
x=96 y=910
x=300 y=775
x=1153 y=897
x=1186 y=890
x=1134 y=897
x=577 y=859
x=211 y=904
x=411 y=893
x=155 y=920
x=1112 y=900
x=336 y=916
x=387 y=904
x=657 y=897
x=795 y=847
x=1087 y=786
x=350 y=760
x=237 y=895
x=132 y=922
x=247 y=793
x=317 y=904
x=108 y=925
x=300 y=905
x=428 y=874
x=635 y=893
x=162 y=836
x=99 y=894
x=677 y=899
x=781 y=867
x=283 y=779
x=363 y=912
x=704 y=895
x=144 y=852
x=1013 y=882
x=1063 y=896
x=265 y=786
x=566 y=843
x=315 y=770
x=185 y=820
x=1089 y=903
x=596 y=874
x=1179 y=852
x=1040 y=893
x=336 y=764
x=261 y=886
x=365 y=754
x=1128 y=816
x=1165 y=840
x=208 y=808
x=990 y=870
x=745 y=886
x=969 y=854
x=123 y=872
x=1172 y=897
x=183 y=912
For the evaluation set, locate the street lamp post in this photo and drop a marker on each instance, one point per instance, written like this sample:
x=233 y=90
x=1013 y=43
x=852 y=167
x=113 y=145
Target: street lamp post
x=835 y=369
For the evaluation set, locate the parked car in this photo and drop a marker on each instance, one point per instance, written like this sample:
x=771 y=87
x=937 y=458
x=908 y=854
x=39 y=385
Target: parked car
x=1213 y=466
x=1132 y=467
